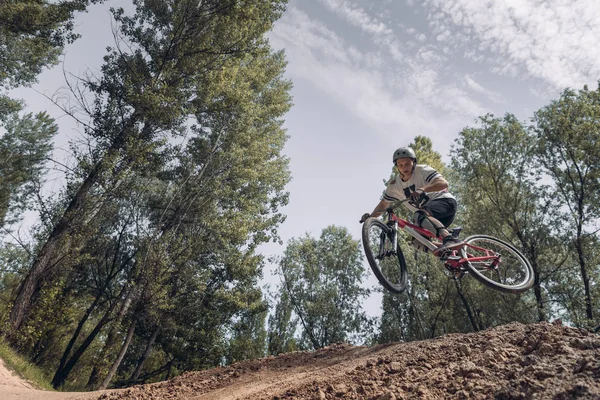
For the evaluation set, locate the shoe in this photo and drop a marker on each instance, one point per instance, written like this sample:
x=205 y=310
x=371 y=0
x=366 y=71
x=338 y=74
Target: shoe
x=449 y=243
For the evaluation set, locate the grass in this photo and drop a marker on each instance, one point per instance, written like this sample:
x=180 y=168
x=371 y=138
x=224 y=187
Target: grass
x=23 y=369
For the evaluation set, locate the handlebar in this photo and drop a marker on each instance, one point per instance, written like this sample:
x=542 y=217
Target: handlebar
x=396 y=204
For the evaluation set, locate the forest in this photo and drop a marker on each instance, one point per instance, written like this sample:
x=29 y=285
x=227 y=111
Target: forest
x=135 y=274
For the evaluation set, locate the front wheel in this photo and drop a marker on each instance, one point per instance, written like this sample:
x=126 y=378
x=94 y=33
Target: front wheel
x=497 y=264
x=384 y=256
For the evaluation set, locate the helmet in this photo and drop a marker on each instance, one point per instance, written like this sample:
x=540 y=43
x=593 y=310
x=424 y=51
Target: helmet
x=404 y=152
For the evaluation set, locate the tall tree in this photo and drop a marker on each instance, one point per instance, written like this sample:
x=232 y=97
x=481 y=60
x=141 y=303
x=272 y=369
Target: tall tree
x=568 y=133
x=180 y=215
x=173 y=78
x=322 y=278
x=500 y=192
x=33 y=34
x=25 y=147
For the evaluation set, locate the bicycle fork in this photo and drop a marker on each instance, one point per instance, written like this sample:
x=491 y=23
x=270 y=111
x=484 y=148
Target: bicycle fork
x=393 y=236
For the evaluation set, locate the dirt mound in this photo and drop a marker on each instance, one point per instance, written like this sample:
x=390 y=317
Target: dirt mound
x=513 y=361
x=510 y=362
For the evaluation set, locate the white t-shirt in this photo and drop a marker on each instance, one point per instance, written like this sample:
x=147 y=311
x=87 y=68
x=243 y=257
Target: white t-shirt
x=421 y=176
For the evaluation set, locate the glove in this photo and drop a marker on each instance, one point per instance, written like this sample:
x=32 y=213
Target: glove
x=364 y=217
x=418 y=198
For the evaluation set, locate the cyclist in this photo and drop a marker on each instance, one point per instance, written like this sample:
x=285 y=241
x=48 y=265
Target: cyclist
x=433 y=205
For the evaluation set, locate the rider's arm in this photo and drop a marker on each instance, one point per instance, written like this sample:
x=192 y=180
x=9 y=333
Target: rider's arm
x=381 y=207
x=437 y=185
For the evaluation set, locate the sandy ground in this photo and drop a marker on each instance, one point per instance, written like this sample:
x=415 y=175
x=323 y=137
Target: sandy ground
x=13 y=387
x=514 y=361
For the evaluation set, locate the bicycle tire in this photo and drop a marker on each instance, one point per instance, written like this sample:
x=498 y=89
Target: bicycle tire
x=390 y=271
x=514 y=274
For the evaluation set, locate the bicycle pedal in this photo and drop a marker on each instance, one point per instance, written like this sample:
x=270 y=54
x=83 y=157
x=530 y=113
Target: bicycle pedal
x=456 y=231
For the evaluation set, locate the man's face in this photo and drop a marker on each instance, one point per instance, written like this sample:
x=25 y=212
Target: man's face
x=405 y=166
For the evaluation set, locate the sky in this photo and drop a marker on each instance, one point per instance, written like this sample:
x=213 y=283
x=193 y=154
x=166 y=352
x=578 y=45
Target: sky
x=370 y=75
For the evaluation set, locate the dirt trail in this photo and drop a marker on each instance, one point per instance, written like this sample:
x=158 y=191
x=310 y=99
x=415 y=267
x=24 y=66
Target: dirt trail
x=13 y=388
x=514 y=361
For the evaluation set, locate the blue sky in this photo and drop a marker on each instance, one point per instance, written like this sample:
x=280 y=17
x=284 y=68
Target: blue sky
x=370 y=75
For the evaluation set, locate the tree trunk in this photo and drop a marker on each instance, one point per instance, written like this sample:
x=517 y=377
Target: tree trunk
x=75 y=335
x=117 y=362
x=61 y=374
x=111 y=340
x=145 y=355
x=74 y=215
x=169 y=369
x=463 y=299
x=584 y=277
x=537 y=290
x=32 y=282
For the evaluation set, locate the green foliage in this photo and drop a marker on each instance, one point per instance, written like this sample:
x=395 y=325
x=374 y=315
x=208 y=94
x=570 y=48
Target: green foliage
x=159 y=223
x=22 y=368
x=568 y=147
x=423 y=147
x=501 y=195
x=282 y=325
x=249 y=336
x=33 y=34
x=24 y=148
x=322 y=279
x=567 y=132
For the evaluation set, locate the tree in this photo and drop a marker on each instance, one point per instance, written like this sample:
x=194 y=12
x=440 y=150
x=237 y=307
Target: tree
x=322 y=279
x=174 y=78
x=24 y=149
x=34 y=34
x=249 y=336
x=423 y=147
x=500 y=192
x=161 y=219
x=282 y=325
x=568 y=132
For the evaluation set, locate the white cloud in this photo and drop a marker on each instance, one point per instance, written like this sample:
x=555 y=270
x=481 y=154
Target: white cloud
x=405 y=96
x=557 y=40
x=382 y=34
x=318 y=55
x=476 y=87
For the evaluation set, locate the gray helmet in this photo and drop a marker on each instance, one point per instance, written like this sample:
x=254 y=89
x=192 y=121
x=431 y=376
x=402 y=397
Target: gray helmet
x=404 y=152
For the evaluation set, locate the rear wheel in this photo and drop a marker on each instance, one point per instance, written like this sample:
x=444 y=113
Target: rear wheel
x=502 y=267
x=388 y=264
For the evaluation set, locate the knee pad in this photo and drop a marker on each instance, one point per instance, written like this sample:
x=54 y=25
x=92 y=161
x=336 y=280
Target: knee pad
x=424 y=221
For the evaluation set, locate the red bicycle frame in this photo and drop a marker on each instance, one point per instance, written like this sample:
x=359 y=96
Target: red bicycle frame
x=421 y=234
x=452 y=261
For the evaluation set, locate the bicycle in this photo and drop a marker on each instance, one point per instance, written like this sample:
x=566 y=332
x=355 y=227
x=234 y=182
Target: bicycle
x=492 y=261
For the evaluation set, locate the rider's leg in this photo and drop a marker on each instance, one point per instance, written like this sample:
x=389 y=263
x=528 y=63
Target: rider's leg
x=425 y=220
x=442 y=212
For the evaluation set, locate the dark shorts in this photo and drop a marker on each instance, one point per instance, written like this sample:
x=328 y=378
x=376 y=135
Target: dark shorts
x=443 y=210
